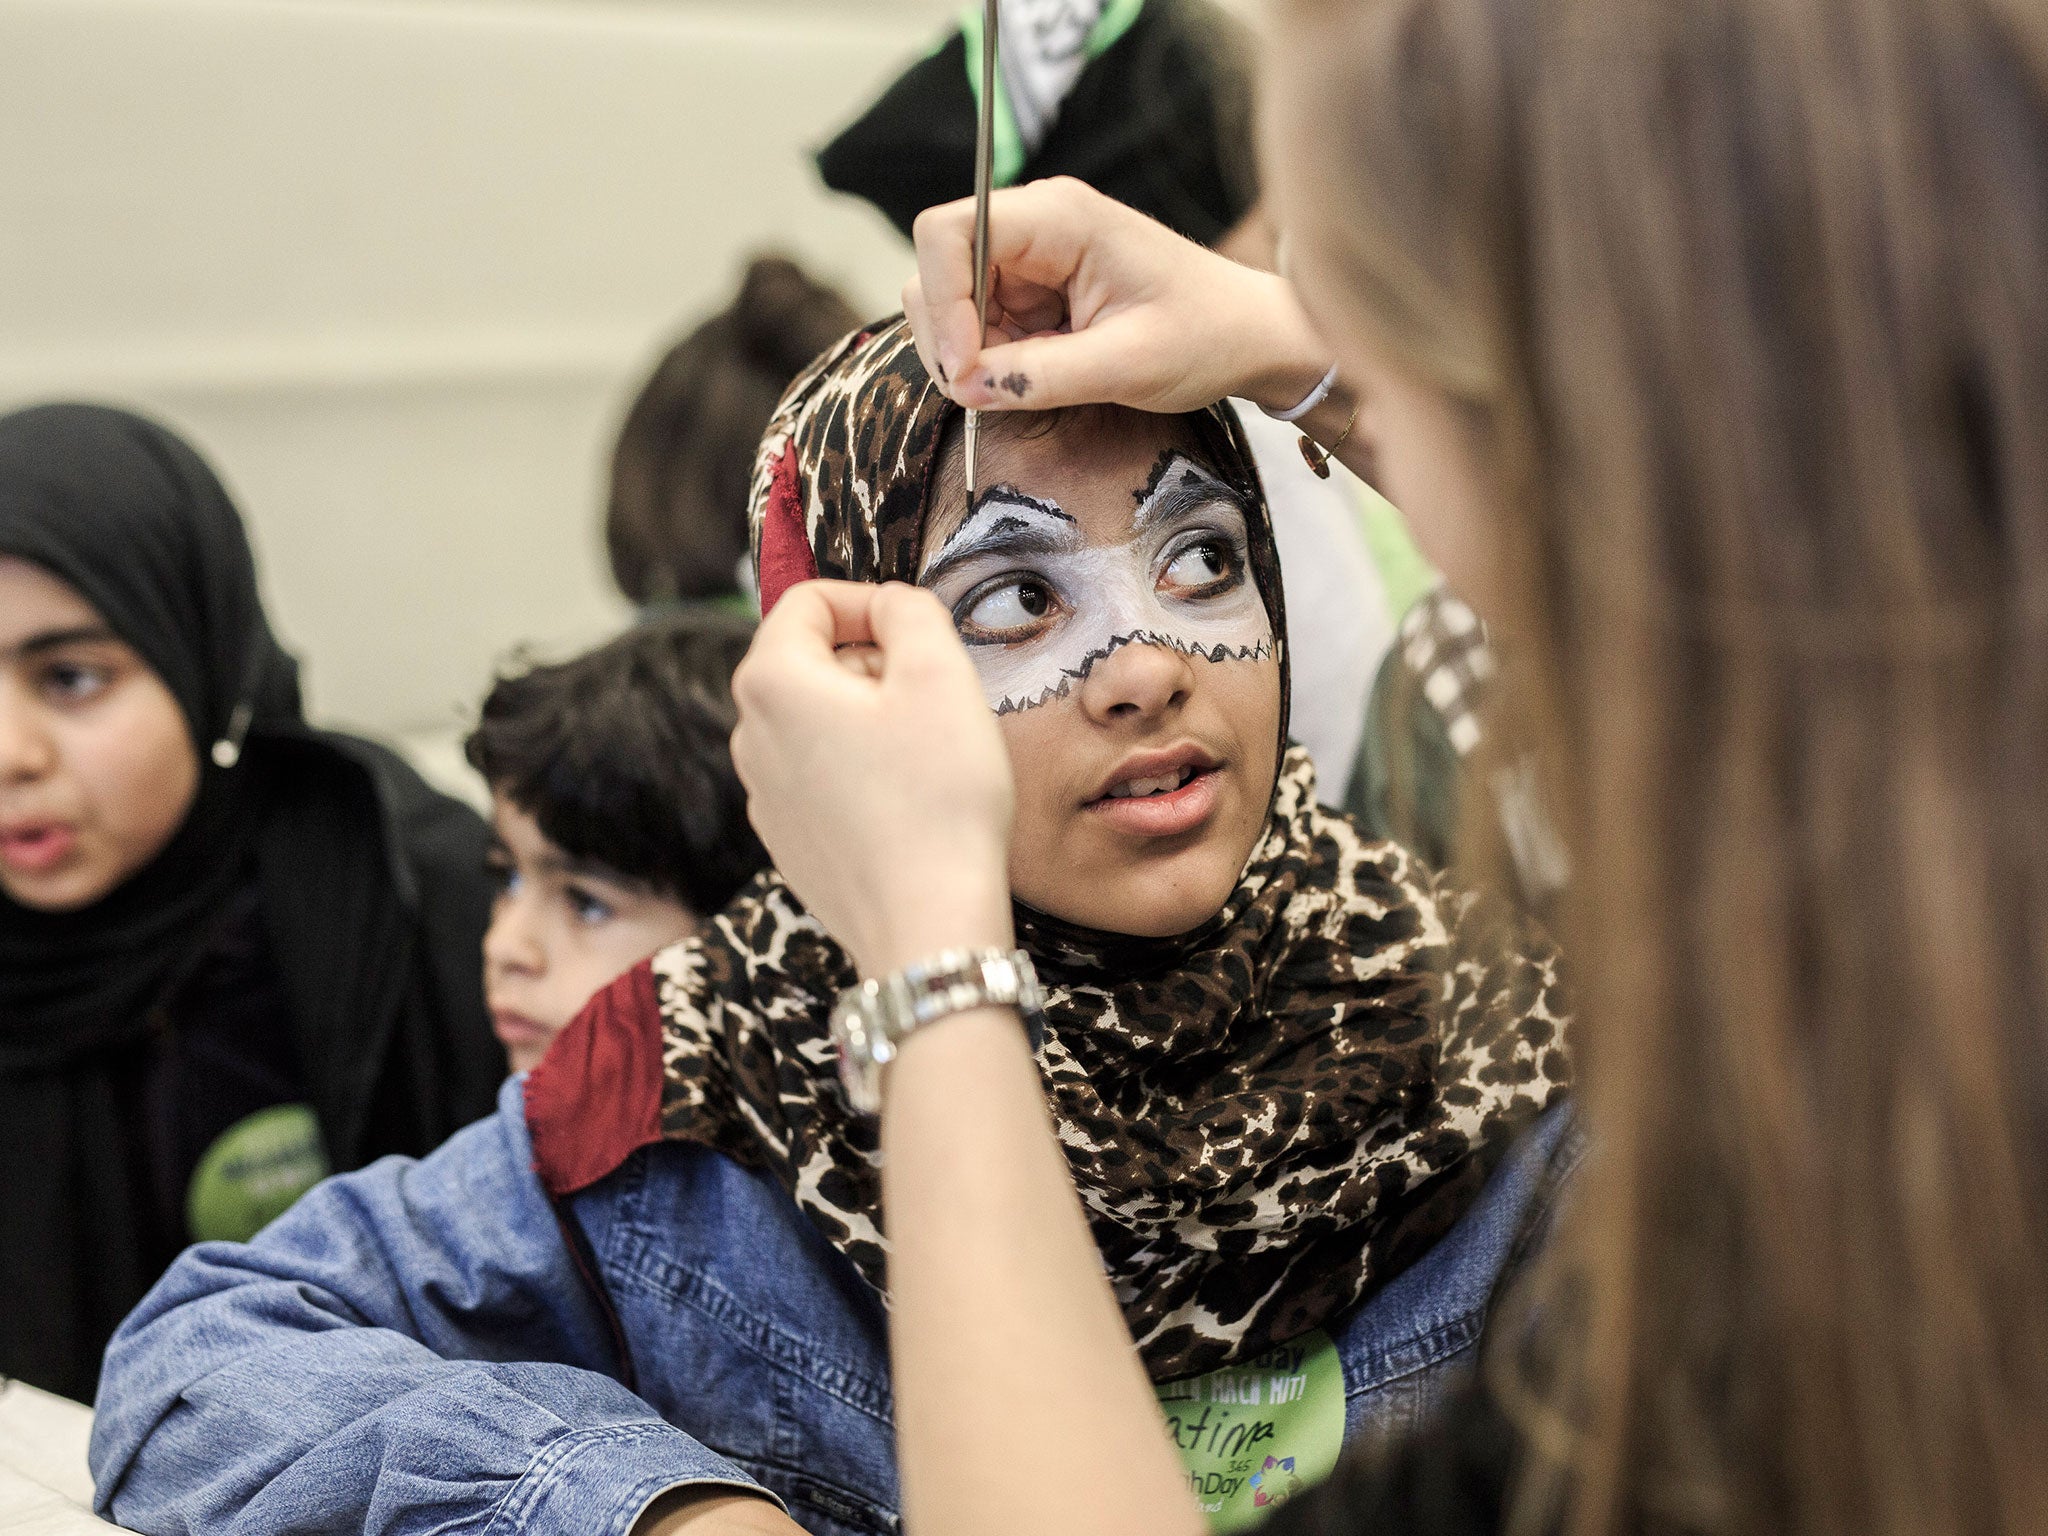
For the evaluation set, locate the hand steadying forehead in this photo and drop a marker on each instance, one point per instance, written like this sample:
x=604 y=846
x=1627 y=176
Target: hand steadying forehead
x=1042 y=586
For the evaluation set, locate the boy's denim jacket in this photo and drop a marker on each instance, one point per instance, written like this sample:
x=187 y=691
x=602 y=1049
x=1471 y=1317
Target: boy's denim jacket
x=438 y=1346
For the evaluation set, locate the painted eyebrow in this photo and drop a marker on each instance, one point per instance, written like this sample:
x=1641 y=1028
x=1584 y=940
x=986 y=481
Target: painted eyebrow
x=1004 y=520
x=1170 y=491
x=1006 y=496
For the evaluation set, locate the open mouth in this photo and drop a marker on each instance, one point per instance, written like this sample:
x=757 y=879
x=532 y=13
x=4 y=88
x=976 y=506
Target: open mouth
x=1174 y=800
x=1164 y=784
x=36 y=847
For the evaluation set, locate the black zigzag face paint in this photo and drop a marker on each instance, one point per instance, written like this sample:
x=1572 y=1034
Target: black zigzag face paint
x=1039 y=605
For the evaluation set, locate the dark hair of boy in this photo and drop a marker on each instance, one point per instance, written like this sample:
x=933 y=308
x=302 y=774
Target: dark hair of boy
x=622 y=756
x=683 y=466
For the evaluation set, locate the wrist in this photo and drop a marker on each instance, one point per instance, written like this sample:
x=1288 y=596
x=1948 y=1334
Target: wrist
x=709 y=1507
x=870 y=1022
x=1290 y=359
x=948 y=914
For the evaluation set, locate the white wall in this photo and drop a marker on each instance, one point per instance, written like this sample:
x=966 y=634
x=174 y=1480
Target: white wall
x=397 y=265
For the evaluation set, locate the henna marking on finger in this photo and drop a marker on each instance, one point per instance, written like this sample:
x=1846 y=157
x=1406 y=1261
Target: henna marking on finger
x=1016 y=383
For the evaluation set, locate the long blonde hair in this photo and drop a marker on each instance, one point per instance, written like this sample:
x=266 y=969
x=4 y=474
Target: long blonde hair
x=1749 y=299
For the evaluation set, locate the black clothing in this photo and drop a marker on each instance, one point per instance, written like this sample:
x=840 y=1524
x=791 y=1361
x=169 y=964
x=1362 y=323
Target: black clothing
x=1451 y=1479
x=316 y=882
x=1159 y=121
x=220 y=1052
x=129 y=517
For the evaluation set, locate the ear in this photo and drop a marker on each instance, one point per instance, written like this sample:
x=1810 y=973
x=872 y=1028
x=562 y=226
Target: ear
x=786 y=557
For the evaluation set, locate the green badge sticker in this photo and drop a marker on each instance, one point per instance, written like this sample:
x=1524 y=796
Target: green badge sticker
x=253 y=1173
x=1255 y=1434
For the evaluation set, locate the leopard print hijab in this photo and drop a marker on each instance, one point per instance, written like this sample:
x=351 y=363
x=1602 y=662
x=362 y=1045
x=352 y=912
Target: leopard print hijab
x=1266 y=1118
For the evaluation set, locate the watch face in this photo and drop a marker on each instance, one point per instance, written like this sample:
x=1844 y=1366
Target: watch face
x=870 y=1019
x=856 y=1057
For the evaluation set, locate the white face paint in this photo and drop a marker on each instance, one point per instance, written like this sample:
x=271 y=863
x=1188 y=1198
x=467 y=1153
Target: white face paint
x=1039 y=606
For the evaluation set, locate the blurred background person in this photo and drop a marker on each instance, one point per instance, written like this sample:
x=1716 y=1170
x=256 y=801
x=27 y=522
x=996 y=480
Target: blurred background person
x=1438 y=749
x=683 y=467
x=1149 y=101
x=236 y=952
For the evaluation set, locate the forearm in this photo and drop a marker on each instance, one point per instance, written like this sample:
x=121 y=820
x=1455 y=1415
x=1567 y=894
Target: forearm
x=886 y=800
x=265 y=1404
x=399 y=1322
x=1003 y=1330
x=1334 y=426
x=1282 y=361
x=1275 y=355
x=694 y=1511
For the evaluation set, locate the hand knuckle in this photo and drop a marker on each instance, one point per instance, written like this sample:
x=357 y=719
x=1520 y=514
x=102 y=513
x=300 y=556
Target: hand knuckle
x=748 y=684
x=1075 y=192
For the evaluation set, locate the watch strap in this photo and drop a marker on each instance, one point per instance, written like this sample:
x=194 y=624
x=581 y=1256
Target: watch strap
x=871 y=1017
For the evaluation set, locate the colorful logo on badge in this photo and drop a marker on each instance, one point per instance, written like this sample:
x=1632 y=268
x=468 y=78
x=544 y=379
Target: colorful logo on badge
x=1264 y=1484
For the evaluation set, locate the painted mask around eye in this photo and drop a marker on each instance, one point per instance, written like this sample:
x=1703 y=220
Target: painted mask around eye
x=1038 y=605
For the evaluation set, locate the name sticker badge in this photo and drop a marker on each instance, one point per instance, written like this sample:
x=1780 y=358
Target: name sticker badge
x=253 y=1173
x=1253 y=1435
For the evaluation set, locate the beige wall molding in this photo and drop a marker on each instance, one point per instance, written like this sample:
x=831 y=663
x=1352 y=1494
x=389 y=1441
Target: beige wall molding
x=397 y=266
x=315 y=363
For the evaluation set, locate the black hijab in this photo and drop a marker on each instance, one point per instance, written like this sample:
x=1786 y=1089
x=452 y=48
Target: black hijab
x=369 y=889
x=131 y=518
x=1157 y=120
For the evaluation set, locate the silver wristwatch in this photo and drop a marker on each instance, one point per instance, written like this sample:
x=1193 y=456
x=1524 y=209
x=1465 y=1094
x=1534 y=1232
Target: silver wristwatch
x=869 y=1019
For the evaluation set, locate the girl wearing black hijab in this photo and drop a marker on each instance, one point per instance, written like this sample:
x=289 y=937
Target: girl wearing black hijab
x=235 y=951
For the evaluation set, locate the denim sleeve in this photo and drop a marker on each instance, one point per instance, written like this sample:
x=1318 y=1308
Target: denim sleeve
x=410 y=1348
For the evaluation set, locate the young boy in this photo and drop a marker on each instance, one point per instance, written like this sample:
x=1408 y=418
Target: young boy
x=619 y=825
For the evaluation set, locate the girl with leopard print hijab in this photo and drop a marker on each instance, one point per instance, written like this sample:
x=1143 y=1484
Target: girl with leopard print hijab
x=1283 y=1065
x=1279 y=1061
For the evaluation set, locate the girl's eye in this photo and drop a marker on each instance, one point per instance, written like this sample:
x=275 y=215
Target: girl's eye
x=589 y=909
x=1205 y=568
x=73 y=683
x=1009 y=609
x=504 y=876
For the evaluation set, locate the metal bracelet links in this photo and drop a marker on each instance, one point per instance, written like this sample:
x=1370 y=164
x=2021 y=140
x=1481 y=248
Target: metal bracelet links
x=871 y=1018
